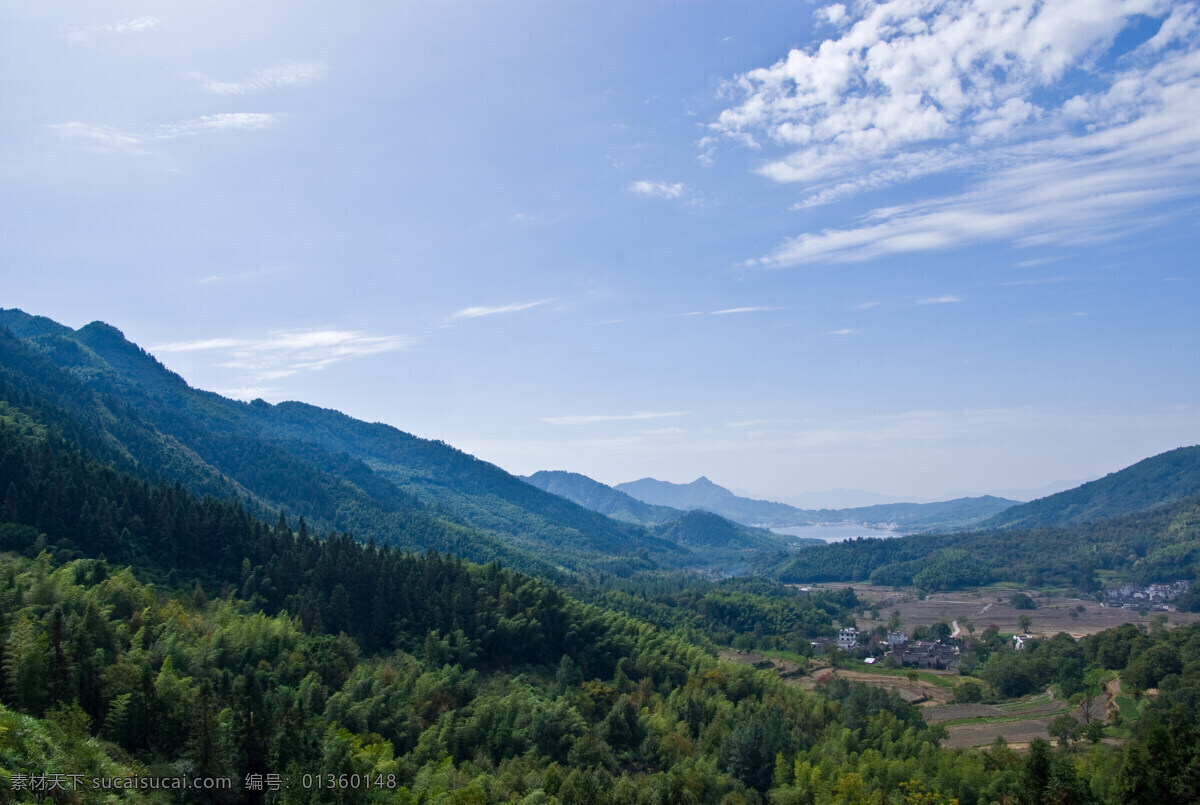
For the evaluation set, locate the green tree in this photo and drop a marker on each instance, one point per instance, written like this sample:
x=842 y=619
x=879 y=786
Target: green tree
x=1065 y=728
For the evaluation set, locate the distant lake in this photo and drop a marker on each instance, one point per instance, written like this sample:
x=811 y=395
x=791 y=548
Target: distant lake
x=836 y=532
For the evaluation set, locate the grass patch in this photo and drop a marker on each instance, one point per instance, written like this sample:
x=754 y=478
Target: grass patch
x=790 y=656
x=1024 y=704
x=923 y=676
x=1129 y=708
x=956 y=722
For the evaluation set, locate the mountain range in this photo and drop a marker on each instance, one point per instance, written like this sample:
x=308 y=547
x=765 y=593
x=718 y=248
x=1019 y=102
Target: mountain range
x=708 y=496
x=375 y=481
x=122 y=407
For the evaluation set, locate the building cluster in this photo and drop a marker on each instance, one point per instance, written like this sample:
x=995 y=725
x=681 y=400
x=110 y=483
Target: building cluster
x=1155 y=596
x=912 y=654
x=924 y=654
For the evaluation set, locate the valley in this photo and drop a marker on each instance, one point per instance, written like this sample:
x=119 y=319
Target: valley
x=255 y=589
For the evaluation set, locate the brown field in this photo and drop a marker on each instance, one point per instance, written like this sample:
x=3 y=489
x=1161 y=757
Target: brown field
x=987 y=606
x=1017 y=734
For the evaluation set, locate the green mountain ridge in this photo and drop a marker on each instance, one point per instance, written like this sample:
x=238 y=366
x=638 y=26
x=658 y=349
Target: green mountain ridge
x=370 y=479
x=1161 y=479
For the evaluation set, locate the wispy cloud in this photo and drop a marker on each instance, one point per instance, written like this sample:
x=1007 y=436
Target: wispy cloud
x=588 y=419
x=104 y=138
x=945 y=299
x=287 y=73
x=1035 y=281
x=132 y=25
x=286 y=353
x=480 y=310
x=843 y=332
x=658 y=189
x=226 y=121
x=265 y=271
x=731 y=310
x=908 y=88
x=749 y=423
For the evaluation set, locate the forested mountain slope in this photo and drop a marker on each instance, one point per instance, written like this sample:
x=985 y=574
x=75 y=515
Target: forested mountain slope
x=264 y=651
x=1165 y=478
x=372 y=479
x=1158 y=544
x=262 y=654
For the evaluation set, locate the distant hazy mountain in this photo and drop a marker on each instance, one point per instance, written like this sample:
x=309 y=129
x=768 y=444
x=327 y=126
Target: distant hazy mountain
x=1165 y=478
x=704 y=494
x=602 y=498
x=696 y=529
x=843 y=499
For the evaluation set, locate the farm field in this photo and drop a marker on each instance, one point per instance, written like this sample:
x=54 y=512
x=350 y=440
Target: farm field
x=1019 y=722
x=920 y=690
x=988 y=606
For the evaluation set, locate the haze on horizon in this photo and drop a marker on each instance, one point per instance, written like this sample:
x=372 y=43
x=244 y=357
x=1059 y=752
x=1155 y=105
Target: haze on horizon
x=913 y=248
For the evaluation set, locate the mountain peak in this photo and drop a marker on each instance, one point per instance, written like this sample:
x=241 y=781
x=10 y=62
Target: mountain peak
x=102 y=328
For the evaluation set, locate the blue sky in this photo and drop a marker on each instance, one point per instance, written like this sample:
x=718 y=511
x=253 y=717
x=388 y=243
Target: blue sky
x=909 y=247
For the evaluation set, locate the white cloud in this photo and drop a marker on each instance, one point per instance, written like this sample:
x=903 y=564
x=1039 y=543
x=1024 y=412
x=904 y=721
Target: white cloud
x=479 y=310
x=833 y=14
x=200 y=345
x=291 y=72
x=749 y=423
x=100 y=137
x=286 y=353
x=588 y=419
x=658 y=189
x=105 y=138
x=127 y=26
x=226 y=121
x=910 y=88
x=844 y=331
x=730 y=310
x=257 y=273
x=946 y=299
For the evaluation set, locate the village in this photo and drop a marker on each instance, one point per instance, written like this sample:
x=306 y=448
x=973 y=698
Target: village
x=1157 y=597
x=895 y=647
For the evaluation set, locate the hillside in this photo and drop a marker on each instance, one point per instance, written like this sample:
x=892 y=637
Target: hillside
x=1165 y=478
x=1159 y=544
x=126 y=408
x=940 y=515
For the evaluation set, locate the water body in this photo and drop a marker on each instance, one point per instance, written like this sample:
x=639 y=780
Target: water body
x=836 y=532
